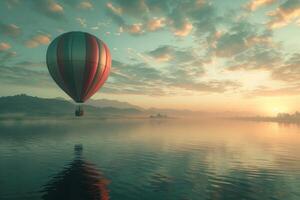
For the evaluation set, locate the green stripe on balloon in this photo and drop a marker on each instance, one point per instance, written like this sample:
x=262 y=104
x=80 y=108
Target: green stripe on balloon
x=78 y=58
x=68 y=65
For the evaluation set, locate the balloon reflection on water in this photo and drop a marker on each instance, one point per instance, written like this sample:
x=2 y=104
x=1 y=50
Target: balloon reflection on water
x=78 y=180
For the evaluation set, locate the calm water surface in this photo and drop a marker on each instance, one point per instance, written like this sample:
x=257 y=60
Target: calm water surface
x=149 y=159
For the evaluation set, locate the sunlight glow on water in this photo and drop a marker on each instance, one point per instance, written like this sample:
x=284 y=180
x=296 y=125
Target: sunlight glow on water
x=149 y=159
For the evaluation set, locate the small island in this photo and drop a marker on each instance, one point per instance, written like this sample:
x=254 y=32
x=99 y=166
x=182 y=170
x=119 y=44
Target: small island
x=159 y=116
x=281 y=118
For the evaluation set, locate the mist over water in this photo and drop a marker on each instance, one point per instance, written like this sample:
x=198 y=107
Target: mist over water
x=149 y=159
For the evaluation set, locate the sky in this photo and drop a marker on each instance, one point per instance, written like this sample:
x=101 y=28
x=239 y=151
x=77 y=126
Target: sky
x=209 y=55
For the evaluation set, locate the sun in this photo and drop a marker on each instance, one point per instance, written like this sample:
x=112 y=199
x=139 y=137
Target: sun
x=273 y=110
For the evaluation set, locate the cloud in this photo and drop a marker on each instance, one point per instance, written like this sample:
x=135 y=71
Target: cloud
x=156 y=24
x=180 y=17
x=138 y=78
x=4 y=46
x=240 y=39
x=182 y=63
x=152 y=25
x=5 y=53
x=81 y=21
x=6 y=56
x=246 y=47
x=114 y=9
x=184 y=68
x=141 y=78
x=256 y=58
x=10 y=30
x=282 y=91
x=85 y=5
x=266 y=40
x=55 y=8
x=162 y=54
x=203 y=17
x=289 y=71
x=37 y=41
x=133 y=8
x=233 y=41
x=18 y=75
x=135 y=29
x=285 y=14
x=255 y=4
x=172 y=54
x=184 y=31
x=50 y=8
x=209 y=86
x=30 y=64
x=115 y=14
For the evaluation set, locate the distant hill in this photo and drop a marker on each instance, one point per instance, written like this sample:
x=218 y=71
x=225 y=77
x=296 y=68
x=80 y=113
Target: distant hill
x=101 y=103
x=24 y=105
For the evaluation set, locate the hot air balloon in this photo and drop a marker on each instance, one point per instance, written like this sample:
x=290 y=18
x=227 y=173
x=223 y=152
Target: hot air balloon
x=79 y=63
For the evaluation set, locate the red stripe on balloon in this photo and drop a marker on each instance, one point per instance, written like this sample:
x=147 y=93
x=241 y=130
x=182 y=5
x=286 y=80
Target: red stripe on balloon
x=104 y=75
x=91 y=64
x=99 y=70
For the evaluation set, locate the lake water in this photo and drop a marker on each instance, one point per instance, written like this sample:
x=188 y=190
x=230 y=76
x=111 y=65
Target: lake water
x=149 y=159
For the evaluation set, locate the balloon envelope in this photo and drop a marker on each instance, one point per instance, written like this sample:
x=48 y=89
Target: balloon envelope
x=79 y=63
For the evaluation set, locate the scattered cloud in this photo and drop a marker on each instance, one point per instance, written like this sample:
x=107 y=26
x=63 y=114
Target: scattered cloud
x=81 y=21
x=282 y=91
x=156 y=24
x=180 y=17
x=172 y=54
x=6 y=56
x=4 y=46
x=114 y=9
x=258 y=58
x=5 y=52
x=285 y=14
x=162 y=54
x=30 y=64
x=209 y=86
x=289 y=71
x=10 y=30
x=134 y=78
x=241 y=38
x=184 y=31
x=135 y=29
x=19 y=75
x=185 y=69
x=234 y=41
x=85 y=5
x=133 y=8
x=49 y=8
x=255 y=4
x=37 y=41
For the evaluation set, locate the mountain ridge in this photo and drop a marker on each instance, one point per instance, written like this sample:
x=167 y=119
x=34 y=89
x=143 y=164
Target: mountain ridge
x=25 y=105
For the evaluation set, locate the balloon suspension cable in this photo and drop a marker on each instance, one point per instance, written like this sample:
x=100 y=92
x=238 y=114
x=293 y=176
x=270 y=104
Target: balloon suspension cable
x=79 y=110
